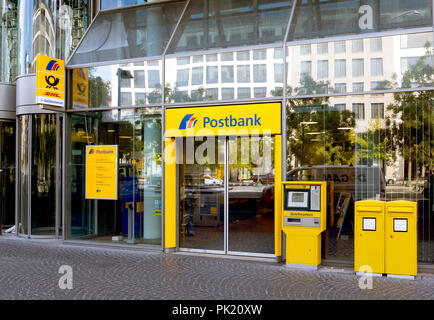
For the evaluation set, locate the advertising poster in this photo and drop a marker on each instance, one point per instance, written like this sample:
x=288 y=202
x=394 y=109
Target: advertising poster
x=102 y=172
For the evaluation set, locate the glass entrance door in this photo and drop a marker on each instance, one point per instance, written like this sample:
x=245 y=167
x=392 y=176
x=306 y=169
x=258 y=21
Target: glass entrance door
x=201 y=194
x=226 y=195
x=251 y=195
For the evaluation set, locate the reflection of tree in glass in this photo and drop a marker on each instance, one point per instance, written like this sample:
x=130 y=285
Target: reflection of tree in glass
x=314 y=128
x=410 y=123
x=99 y=92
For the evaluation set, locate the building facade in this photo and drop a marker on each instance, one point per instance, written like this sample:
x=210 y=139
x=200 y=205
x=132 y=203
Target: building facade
x=353 y=81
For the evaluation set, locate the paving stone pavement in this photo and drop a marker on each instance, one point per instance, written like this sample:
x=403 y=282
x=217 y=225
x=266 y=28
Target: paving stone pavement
x=29 y=269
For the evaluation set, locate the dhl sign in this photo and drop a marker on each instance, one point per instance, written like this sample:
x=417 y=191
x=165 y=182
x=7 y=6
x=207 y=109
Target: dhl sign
x=50 y=81
x=80 y=88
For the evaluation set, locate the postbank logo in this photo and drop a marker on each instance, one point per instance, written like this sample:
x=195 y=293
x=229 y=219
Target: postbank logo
x=226 y=120
x=50 y=81
x=189 y=121
x=53 y=65
x=92 y=151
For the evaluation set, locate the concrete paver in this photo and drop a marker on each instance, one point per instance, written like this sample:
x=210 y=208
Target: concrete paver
x=30 y=270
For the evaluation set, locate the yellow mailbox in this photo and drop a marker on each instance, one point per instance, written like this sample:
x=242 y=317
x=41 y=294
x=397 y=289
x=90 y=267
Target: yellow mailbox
x=369 y=236
x=401 y=238
x=304 y=217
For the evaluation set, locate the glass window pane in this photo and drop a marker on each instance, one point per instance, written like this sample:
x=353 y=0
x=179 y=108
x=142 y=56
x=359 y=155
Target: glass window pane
x=128 y=33
x=260 y=92
x=319 y=19
x=244 y=93
x=278 y=72
x=212 y=74
x=243 y=73
x=182 y=76
x=211 y=57
x=416 y=40
x=182 y=61
x=243 y=55
x=227 y=56
x=377 y=110
x=139 y=79
x=259 y=54
x=140 y=99
x=358 y=86
x=197 y=76
x=376 y=44
x=278 y=53
x=359 y=110
x=323 y=48
x=377 y=67
x=212 y=94
x=227 y=74
x=305 y=49
x=154 y=79
x=340 y=47
x=259 y=73
x=357 y=45
x=305 y=69
x=358 y=67
x=340 y=87
x=340 y=68
x=217 y=24
x=228 y=93
x=323 y=69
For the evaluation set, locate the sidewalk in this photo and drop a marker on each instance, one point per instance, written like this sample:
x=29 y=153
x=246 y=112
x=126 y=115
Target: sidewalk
x=30 y=270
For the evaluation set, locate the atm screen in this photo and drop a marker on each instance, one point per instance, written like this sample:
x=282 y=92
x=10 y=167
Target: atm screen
x=297 y=199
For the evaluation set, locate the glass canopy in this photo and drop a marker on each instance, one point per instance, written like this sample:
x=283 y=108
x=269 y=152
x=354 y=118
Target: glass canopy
x=128 y=33
x=145 y=31
x=327 y=18
x=212 y=24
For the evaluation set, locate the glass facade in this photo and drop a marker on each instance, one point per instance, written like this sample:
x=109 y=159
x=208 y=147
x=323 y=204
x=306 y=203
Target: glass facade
x=321 y=19
x=357 y=77
x=49 y=27
x=7 y=172
x=39 y=170
x=137 y=133
x=228 y=76
x=8 y=41
x=129 y=33
x=126 y=85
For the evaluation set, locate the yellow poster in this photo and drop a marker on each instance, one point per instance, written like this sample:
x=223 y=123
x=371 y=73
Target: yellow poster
x=102 y=172
x=80 y=88
x=50 y=81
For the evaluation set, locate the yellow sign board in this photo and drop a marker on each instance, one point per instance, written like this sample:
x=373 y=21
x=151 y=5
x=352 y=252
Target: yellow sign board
x=102 y=172
x=50 y=81
x=233 y=120
x=80 y=88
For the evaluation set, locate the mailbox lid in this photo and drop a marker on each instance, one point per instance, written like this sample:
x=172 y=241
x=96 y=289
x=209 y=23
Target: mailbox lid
x=369 y=207
x=401 y=207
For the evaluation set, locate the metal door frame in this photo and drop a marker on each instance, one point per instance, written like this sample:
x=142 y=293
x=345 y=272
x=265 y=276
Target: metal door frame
x=225 y=251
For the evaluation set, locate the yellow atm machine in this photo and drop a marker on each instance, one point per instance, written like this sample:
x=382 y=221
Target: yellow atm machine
x=304 y=214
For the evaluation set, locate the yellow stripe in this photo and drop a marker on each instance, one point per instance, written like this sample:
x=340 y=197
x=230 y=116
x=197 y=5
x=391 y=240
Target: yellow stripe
x=277 y=195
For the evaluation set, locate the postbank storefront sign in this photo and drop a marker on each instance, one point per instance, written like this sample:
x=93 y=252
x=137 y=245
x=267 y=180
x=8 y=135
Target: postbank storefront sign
x=235 y=120
x=101 y=172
